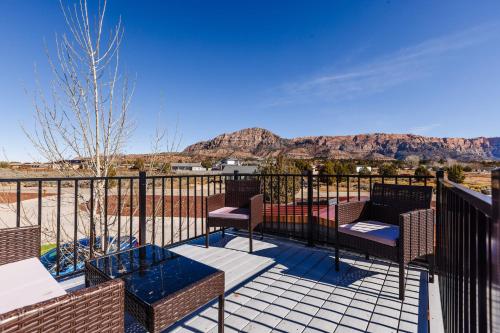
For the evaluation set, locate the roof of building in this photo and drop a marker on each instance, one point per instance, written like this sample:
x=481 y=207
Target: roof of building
x=228 y=169
x=186 y=165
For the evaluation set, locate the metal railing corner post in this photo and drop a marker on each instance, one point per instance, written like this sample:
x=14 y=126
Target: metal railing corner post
x=142 y=207
x=236 y=174
x=439 y=183
x=310 y=218
x=495 y=195
x=495 y=248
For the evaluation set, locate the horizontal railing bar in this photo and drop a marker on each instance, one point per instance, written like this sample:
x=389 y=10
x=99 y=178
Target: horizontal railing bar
x=55 y=179
x=480 y=201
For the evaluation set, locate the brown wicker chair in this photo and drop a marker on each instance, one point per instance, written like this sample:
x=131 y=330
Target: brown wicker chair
x=95 y=309
x=405 y=233
x=240 y=207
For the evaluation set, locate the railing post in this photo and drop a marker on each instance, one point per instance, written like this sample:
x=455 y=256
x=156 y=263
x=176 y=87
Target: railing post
x=235 y=174
x=310 y=218
x=495 y=250
x=142 y=208
x=439 y=182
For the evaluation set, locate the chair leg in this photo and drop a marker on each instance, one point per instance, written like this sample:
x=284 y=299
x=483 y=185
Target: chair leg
x=221 y=314
x=261 y=232
x=337 y=263
x=367 y=256
x=207 y=233
x=223 y=232
x=430 y=259
x=401 y=281
x=250 y=238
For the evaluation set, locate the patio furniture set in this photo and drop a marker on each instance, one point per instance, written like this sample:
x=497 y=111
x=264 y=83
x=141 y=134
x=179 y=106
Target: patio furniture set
x=159 y=287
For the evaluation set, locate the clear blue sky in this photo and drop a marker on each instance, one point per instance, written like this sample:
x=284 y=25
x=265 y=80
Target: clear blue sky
x=294 y=67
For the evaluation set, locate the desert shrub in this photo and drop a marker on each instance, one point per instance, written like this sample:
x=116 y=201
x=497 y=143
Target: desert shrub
x=364 y=171
x=344 y=168
x=112 y=173
x=422 y=171
x=328 y=168
x=388 y=169
x=336 y=168
x=4 y=165
x=412 y=160
x=207 y=164
x=139 y=164
x=303 y=165
x=398 y=164
x=279 y=188
x=456 y=173
x=485 y=190
x=467 y=168
x=165 y=168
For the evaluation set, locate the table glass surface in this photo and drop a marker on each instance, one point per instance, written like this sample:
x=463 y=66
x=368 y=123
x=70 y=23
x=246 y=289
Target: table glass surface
x=152 y=273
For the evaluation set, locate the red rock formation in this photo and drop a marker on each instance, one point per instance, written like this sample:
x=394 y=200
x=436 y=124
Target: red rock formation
x=258 y=142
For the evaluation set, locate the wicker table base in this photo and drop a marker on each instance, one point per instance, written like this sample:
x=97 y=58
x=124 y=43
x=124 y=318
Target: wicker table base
x=166 y=309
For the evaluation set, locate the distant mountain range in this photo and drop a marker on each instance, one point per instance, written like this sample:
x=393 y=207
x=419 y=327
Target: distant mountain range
x=261 y=143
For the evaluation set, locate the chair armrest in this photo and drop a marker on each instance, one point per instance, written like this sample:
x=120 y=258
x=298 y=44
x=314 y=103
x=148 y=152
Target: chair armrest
x=95 y=309
x=256 y=209
x=19 y=243
x=416 y=233
x=215 y=201
x=349 y=212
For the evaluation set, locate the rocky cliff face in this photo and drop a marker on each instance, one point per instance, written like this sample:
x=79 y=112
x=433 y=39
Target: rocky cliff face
x=258 y=142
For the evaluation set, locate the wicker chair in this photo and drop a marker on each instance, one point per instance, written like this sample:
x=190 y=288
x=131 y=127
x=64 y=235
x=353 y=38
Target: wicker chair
x=240 y=207
x=95 y=309
x=397 y=223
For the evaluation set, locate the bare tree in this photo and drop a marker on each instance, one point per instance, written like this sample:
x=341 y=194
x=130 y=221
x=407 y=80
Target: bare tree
x=84 y=113
x=87 y=115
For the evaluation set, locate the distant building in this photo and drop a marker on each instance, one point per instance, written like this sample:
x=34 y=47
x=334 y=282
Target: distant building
x=242 y=169
x=27 y=165
x=226 y=161
x=358 y=168
x=230 y=161
x=67 y=164
x=187 y=167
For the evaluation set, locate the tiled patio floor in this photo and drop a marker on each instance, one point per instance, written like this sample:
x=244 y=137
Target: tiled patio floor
x=285 y=286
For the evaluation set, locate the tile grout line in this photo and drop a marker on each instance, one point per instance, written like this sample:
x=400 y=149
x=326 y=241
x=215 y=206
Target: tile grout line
x=282 y=275
x=190 y=321
x=288 y=289
x=287 y=258
x=380 y=292
x=356 y=290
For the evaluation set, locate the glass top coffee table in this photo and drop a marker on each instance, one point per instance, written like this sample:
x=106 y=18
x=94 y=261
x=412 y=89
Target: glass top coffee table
x=161 y=287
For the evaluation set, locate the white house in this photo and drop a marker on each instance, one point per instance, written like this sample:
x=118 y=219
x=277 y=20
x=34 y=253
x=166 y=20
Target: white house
x=359 y=167
x=225 y=162
x=230 y=161
x=187 y=167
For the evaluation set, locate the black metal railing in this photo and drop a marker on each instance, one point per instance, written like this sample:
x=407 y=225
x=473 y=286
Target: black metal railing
x=468 y=256
x=84 y=217
x=302 y=206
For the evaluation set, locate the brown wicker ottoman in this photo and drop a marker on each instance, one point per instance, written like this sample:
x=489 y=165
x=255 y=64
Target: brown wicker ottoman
x=161 y=287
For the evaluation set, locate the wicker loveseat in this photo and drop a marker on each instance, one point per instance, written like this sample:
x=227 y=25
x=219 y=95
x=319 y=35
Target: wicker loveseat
x=95 y=309
x=240 y=207
x=397 y=224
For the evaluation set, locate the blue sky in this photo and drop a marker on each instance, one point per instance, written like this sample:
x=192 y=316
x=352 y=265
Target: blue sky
x=296 y=68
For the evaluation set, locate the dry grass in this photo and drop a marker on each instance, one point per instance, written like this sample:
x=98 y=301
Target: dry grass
x=476 y=181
